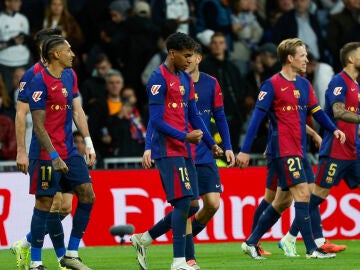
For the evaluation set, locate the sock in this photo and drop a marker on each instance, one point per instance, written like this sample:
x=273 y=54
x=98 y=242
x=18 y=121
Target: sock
x=80 y=222
x=38 y=226
x=193 y=210
x=316 y=225
x=146 y=239
x=56 y=233
x=261 y=208
x=267 y=219
x=303 y=222
x=189 y=248
x=162 y=226
x=196 y=227
x=293 y=231
x=178 y=225
x=319 y=241
x=290 y=237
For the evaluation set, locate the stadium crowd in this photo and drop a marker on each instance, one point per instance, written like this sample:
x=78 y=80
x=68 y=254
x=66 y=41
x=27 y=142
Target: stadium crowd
x=119 y=43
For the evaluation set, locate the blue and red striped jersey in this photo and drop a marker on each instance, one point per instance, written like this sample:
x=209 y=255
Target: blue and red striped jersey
x=287 y=104
x=174 y=93
x=208 y=97
x=345 y=90
x=26 y=80
x=55 y=96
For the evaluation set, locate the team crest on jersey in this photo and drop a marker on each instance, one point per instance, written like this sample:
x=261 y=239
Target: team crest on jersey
x=182 y=90
x=297 y=93
x=337 y=90
x=187 y=185
x=44 y=185
x=155 y=89
x=36 y=96
x=329 y=179
x=196 y=97
x=261 y=95
x=65 y=92
x=21 y=86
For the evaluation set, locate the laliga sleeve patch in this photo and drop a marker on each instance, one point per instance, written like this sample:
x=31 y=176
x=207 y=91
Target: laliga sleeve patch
x=261 y=95
x=155 y=89
x=21 y=86
x=337 y=91
x=36 y=96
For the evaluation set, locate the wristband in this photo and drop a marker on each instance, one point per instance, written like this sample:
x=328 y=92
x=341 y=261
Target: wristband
x=54 y=155
x=89 y=144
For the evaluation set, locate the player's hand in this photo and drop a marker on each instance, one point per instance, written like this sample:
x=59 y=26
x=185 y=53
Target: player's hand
x=59 y=165
x=317 y=140
x=230 y=158
x=90 y=157
x=217 y=151
x=194 y=136
x=242 y=160
x=147 y=162
x=22 y=162
x=340 y=135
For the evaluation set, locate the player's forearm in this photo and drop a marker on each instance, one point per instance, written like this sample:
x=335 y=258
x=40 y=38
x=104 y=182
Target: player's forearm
x=38 y=117
x=149 y=132
x=81 y=123
x=323 y=119
x=223 y=128
x=20 y=127
x=341 y=113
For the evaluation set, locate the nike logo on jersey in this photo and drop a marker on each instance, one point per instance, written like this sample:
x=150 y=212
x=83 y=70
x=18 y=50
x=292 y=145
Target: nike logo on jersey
x=172 y=84
x=155 y=89
x=36 y=96
x=284 y=88
x=337 y=91
x=353 y=89
x=54 y=87
x=217 y=186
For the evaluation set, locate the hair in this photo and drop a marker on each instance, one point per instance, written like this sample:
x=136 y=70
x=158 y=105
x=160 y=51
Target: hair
x=113 y=73
x=48 y=46
x=198 y=48
x=64 y=20
x=101 y=57
x=288 y=47
x=180 y=41
x=346 y=50
x=44 y=34
x=218 y=34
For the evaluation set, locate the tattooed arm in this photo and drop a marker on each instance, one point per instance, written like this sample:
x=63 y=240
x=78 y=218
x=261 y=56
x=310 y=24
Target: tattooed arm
x=341 y=113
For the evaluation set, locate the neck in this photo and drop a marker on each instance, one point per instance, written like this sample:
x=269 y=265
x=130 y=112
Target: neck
x=55 y=70
x=195 y=75
x=352 y=72
x=171 y=66
x=288 y=73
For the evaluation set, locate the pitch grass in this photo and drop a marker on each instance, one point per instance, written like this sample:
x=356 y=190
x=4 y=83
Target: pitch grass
x=209 y=256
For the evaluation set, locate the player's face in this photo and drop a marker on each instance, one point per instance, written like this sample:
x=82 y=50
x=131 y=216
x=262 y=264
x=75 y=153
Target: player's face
x=299 y=60
x=66 y=55
x=182 y=59
x=356 y=59
x=195 y=61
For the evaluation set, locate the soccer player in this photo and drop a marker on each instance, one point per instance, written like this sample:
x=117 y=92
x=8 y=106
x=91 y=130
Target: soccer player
x=172 y=107
x=62 y=203
x=209 y=103
x=54 y=160
x=287 y=98
x=339 y=161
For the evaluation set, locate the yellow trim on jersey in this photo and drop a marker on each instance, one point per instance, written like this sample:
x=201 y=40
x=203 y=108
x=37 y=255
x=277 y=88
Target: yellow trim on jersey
x=317 y=108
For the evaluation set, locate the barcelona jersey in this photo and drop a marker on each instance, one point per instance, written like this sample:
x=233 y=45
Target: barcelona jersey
x=287 y=104
x=170 y=94
x=345 y=90
x=26 y=80
x=55 y=96
x=208 y=97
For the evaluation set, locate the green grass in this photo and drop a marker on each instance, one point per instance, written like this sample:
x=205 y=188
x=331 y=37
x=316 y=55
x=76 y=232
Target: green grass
x=209 y=257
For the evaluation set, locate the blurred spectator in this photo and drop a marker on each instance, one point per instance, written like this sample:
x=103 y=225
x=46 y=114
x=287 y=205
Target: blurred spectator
x=231 y=82
x=178 y=10
x=126 y=128
x=6 y=106
x=7 y=130
x=14 y=32
x=246 y=28
x=276 y=8
x=158 y=58
x=79 y=142
x=141 y=43
x=300 y=23
x=99 y=114
x=215 y=15
x=94 y=87
x=58 y=16
x=272 y=65
x=113 y=32
x=343 y=27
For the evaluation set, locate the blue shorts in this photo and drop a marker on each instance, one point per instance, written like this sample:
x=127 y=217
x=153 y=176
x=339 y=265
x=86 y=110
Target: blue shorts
x=208 y=178
x=310 y=177
x=178 y=177
x=45 y=181
x=331 y=171
x=291 y=171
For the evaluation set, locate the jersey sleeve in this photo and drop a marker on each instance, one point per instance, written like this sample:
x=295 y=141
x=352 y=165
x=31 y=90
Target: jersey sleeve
x=313 y=102
x=218 y=99
x=336 y=91
x=24 y=86
x=265 y=97
x=156 y=89
x=37 y=93
x=75 y=86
